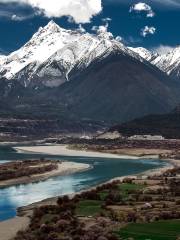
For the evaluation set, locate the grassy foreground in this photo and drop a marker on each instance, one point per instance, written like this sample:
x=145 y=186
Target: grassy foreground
x=88 y=208
x=162 y=230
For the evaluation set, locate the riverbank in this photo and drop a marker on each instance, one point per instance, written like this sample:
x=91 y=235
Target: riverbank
x=69 y=150
x=144 y=175
x=113 y=207
x=25 y=212
x=63 y=150
x=9 y=228
x=63 y=168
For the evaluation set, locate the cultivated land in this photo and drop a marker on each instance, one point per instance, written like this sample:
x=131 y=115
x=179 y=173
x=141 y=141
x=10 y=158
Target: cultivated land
x=127 y=208
x=106 y=212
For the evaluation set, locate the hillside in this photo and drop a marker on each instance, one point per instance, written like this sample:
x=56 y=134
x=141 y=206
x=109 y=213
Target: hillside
x=81 y=77
x=119 y=88
x=167 y=125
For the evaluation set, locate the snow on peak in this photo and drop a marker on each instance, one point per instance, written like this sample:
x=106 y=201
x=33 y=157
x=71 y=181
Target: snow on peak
x=170 y=62
x=2 y=57
x=39 y=48
x=55 y=44
x=54 y=51
x=52 y=26
x=144 y=53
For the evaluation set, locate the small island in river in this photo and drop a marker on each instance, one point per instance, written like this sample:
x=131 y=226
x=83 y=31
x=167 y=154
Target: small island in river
x=28 y=171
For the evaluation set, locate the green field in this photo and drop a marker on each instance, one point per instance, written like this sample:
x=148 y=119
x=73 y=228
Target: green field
x=103 y=195
x=162 y=230
x=88 y=207
x=125 y=187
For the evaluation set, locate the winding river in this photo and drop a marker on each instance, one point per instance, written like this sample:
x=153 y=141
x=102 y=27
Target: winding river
x=103 y=169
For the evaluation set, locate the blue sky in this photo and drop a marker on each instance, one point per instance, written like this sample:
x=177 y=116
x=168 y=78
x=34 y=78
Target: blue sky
x=19 y=19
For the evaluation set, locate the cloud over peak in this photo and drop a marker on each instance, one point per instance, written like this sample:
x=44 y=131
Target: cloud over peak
x=163 y=49
x=148 y=31
x=103 y=29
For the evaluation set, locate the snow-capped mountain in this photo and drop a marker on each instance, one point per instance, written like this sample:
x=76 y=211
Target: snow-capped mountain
x=102 y=77
x=42 y=45
x=145 y=53
x=52 y=53
x=1 y=58
x=168 y=63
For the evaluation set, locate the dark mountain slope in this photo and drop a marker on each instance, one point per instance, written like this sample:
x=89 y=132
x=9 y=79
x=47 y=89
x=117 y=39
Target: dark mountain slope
x=119 y=88
x=167 y=125
x=115 y=88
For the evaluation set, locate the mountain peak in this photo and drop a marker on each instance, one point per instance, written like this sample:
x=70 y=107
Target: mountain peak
x=145 y=53
x=52 y=26
x=67 y=48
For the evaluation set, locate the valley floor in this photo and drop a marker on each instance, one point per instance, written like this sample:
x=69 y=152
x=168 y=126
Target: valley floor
x=66 y=151
x=89 y=207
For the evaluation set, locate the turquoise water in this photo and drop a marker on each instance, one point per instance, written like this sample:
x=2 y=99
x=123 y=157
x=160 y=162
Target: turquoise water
x=103 y=170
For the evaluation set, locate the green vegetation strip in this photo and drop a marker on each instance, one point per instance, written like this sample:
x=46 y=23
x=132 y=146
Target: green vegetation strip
x=162 y=230
x=103 y=195
x=88 y=208
x=126 y=187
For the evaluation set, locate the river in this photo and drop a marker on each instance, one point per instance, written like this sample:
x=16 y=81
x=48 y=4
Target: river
x=103 y=169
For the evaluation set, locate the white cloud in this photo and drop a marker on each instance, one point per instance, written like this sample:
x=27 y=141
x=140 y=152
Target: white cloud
x=103 y=30
x=147 y=30
x=80 y=10
x=163 y=49
x=81 y=29
x=108 y=19
x=11 y=13
x=158 y=3
x=119 y=38
x=142 y=7
x=15 y=17
x=100 y=29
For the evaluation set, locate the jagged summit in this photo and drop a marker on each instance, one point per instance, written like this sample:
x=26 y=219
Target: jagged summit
x=53 y=26
x=145 y=53
x=39 y=48
x=168 y=63
x=99 y=76
x=52 y=52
